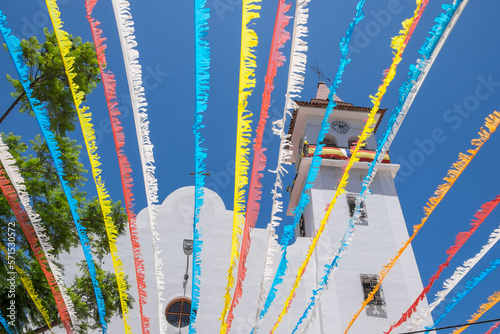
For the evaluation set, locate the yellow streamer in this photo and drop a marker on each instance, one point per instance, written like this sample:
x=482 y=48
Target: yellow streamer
x=492 y=122
x=28 y=285
x=492 y=300
x=85 y=118
x=397 y=43
x=248 y=63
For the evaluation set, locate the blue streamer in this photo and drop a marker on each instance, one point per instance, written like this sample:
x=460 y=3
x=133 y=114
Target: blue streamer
x=468 y=287
x=3 y=321
x=14 y=46
x=202 y=61
x=289 y=230
x=415 y=70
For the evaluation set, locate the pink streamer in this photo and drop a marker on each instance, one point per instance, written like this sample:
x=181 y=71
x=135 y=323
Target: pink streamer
x=276 y=59
x=109 y=83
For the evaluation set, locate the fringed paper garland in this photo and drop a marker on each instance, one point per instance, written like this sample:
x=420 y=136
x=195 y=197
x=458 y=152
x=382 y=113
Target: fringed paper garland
x=249 y=40
x=5 y=324
x=202 y=74
x=276 y=59
x=133 y=70
x=469 y=286
x=289 y=230
x=30 y=289
x=492 y=300
x=457 y=276
x=109 y=84
x=59 y=289
x=431 y=48
x=85 y=119
x=490 y=331
x=492 y=122
x=460 y=240
x=297 y=68
x=14 y=46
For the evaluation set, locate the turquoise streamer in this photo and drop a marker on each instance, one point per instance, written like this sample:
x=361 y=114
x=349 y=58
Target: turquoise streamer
x=289 y=230
x=468 y=287
x=415 y=70
x=202 y=61
x=2 y=319
x=14 y=46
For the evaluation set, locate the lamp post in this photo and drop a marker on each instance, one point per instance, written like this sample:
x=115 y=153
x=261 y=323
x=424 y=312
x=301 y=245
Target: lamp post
x=187 y=246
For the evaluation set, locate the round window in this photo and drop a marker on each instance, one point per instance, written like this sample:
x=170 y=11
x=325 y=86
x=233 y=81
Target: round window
x=178 y=312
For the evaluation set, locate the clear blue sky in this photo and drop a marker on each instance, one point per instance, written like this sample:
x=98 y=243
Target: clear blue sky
x=164 y=31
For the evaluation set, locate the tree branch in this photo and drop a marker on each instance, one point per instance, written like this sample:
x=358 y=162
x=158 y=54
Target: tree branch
x=45 y=328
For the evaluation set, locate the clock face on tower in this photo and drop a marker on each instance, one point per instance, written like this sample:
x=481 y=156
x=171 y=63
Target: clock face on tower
x=340 y=127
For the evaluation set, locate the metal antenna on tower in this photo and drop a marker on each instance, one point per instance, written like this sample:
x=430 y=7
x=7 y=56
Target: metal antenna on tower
x=319 y=72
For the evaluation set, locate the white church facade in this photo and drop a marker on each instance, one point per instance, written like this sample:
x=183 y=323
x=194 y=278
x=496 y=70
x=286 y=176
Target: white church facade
x=378 y=236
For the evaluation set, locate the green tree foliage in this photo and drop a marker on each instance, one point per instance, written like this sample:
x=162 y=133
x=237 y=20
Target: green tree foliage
x=50 y=86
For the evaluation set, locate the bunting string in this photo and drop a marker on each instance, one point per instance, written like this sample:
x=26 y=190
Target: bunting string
x=109 y=84
x=276 y=59
x=297 y=68
x=58 y=286
x=468 y=288
x=14 y=46
x=28 y=285
x=399 y=44
x=492 y=300
x=202 y=73
x=133 y=70
x=248 y=64
x=408 y=91
x=492 y=122
x=457 y=276
x=5 y=324
x=460 y=240
x=289 y=230
x=85 y=119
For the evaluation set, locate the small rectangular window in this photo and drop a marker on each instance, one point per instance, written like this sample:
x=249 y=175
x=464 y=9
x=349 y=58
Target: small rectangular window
x=368 y=282
x=351 y=201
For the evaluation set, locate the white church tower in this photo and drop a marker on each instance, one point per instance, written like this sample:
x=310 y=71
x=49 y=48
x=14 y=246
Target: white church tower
x=377 y=238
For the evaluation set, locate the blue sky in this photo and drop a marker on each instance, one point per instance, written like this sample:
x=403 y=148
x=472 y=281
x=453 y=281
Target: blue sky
x=461 y=89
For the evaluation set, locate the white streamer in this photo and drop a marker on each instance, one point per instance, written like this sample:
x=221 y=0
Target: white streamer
x=134 y=76
x=9 y=164
x=298 y=60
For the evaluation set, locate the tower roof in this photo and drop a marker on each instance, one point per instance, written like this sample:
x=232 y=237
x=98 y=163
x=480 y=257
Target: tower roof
x=321 y=101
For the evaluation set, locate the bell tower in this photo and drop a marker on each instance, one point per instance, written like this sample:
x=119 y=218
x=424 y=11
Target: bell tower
x=377 y=236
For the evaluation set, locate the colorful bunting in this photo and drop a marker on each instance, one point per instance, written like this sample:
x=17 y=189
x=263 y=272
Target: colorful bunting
x=492 y=328
x=202 y=72
x=399 y=44
x=85 y=118
x=40 y=112
x=5 y=324
x=468 y=288
x=298 y=60
x=492 y=300
x=276 y=59
x=54 y=275
x=492 y=122
x=249 y=40
x=109 y=84
x=133 y=70
x=30 y=289
x=460 y=240
x=289 y=230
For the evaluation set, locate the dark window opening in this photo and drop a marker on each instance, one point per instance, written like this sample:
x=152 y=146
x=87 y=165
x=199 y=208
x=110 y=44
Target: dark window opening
x=351 y=201
x=178 y=312
x=368 y=283
x=302 y=227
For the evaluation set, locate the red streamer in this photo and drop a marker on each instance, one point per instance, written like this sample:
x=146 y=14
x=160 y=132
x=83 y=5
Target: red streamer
x=276 y=59
x=109 y=84
x=23 y=219
x=460 y=240
x=492 y=328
